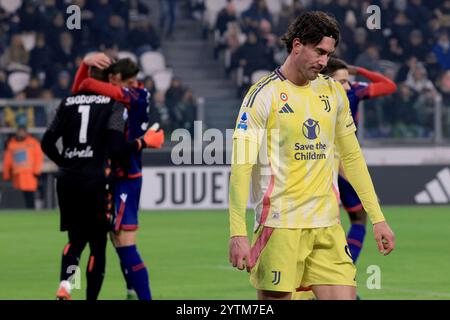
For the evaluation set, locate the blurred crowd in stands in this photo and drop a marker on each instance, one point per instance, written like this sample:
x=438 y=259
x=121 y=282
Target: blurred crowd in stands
x=412 y=47
x=39 y=54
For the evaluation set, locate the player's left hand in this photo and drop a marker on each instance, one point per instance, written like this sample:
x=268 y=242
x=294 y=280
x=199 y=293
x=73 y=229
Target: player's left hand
x=153 y=139
x=239 y=253
x=99 y=60
x=384 y=236
x=352 y=70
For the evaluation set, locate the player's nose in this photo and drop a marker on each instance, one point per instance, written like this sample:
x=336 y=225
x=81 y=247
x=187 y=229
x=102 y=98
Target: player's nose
x=323 y=60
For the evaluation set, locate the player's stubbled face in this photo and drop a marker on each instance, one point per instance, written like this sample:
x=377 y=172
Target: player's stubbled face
x=116 y=79
x=131 y=83
x=342 y=76
x=311 y=59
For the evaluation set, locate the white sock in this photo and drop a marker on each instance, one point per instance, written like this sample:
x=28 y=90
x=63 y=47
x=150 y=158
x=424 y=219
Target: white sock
x=66 y=285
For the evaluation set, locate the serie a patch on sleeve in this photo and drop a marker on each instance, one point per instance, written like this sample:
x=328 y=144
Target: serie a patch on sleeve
x=243 y=122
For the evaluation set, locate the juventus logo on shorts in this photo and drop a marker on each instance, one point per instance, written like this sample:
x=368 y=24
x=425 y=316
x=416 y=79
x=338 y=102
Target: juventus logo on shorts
x=325 y=100
x=276 y=277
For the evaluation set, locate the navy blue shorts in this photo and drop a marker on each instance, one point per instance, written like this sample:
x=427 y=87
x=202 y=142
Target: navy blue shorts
x=127 y=193
x=349 y=198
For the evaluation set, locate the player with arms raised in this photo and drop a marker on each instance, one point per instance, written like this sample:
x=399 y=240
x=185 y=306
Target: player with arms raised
x=127 y=170
x=91 y=129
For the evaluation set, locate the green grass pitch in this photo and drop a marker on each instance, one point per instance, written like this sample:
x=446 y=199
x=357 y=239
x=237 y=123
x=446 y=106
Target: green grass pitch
x=187 y=256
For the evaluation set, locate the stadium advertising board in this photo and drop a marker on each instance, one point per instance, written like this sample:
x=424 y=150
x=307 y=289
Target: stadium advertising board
x=206 y=187
x=425 y=185
x=185 y=187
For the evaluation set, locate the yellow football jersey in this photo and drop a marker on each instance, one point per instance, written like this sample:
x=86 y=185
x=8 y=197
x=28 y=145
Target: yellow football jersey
x=294 y=128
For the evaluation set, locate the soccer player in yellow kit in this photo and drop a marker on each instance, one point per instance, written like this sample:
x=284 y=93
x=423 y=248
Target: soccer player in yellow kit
x=289 y=126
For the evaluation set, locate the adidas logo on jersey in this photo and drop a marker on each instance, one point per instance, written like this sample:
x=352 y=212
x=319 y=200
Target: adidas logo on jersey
x=286 y=109
x=437 y=190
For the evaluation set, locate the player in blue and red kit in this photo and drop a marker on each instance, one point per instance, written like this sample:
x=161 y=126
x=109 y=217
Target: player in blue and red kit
x=356 y=91
x=127 y=172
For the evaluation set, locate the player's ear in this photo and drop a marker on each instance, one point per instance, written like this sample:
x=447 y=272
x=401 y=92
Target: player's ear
x=296 y=45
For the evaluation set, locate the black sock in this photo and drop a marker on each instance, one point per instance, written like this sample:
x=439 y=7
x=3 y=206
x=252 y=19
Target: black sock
x=96 y=267
x=71 y=256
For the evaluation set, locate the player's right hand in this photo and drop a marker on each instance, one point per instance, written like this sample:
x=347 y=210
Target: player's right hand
x=384 y=237
x=153 y=139
x=99 y=60
x=239 y=254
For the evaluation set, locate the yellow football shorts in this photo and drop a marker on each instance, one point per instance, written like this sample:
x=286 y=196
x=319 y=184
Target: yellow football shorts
x=289 y=259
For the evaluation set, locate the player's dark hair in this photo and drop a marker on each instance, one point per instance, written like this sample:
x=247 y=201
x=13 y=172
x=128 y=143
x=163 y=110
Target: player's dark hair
x=310 y=28
x=101 y=74
x=126 y=67
x=334 y=65
x=98 y=74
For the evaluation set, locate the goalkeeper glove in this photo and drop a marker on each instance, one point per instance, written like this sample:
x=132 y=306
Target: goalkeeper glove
x=152 y=139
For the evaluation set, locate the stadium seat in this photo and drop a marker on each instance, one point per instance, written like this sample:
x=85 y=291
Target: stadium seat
x=215 y=5
x=127 y=54
x=28 y=40
x=240 y=77
x=258 y=74
x=140 y=76
x=227 y=58
x=274 y=7
x=151 y=62
x=385 y=65
x=242 y=5
x=18 y=81
x=212 y=10
x=162 y=79
x=16 y=66
x=10 y=6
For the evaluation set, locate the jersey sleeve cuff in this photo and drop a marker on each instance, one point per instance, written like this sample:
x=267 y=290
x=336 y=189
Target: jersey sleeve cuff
x=378 y=218
x=237 y=227
x=237 y=233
